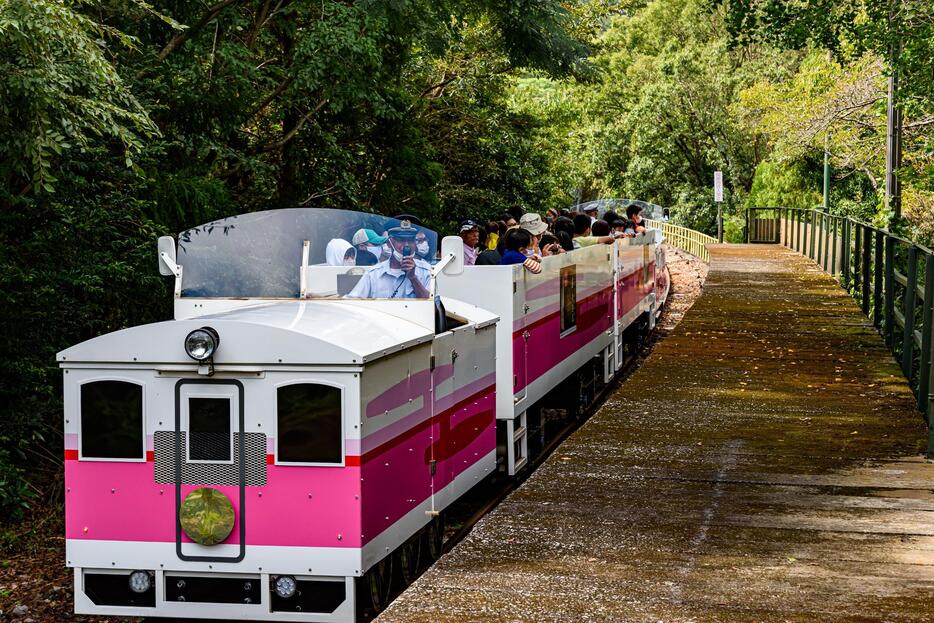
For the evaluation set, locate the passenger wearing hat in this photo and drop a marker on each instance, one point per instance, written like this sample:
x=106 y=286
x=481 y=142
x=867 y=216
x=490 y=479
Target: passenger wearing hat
x=469 y=232
x=591 y=211
x=370 y=242
x=402 y=275
x=534 y=224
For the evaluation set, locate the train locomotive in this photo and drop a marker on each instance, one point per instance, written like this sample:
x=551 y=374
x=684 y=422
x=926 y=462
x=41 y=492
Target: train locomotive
x=283 y=450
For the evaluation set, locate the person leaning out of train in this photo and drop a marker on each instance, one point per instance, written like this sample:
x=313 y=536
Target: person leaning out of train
x=583 y=236
x=402 y=275
x=488 y=256
x=634 y=214
x=469 y=231
x=534 y=224
x=518 y=248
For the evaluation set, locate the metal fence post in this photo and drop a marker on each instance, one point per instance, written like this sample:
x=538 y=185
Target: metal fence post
x=908 y=335
x=878 y=266
x=865 y=278
x=833 y=248
x=813 y=234
x=857 y=263
x=889 y=291
x=798 y=231
x=820 y=239
x=845 y=249
x=927 y=332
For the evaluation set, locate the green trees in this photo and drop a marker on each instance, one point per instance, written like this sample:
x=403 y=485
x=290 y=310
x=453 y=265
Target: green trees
x=851 y=50
x=124 y=119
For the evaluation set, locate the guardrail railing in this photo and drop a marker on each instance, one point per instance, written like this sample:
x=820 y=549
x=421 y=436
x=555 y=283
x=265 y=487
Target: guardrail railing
x=890 y=277
x=688 y=240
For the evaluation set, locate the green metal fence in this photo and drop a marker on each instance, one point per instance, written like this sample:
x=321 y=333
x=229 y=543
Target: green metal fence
x=688 y=240
x=890 y=277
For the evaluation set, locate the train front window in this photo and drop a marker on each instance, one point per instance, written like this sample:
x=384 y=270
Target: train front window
x=309 y=424
x=111 y=420
x=209 y=430
x=262 y=255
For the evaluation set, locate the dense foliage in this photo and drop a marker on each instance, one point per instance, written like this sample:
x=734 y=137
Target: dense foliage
x=126 y=119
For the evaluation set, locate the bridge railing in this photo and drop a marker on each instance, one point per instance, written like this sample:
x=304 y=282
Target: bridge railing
x=688 y=240
x=890 y=277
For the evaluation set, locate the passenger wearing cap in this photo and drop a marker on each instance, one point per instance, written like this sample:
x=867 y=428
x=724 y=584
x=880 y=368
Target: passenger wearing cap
x=368 y=243
x=402 y=275
x=469 y=232
x=591 y=211
x=534 y=224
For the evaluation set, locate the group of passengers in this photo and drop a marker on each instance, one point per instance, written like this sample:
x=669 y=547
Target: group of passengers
x=401 y=256
x=528 y=240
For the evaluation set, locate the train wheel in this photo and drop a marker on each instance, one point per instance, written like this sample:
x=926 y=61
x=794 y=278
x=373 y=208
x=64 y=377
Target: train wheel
x=379 y=584
x=409 y=560
x=434 y=537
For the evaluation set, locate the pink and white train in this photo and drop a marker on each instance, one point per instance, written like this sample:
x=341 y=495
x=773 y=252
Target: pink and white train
x=333 y=431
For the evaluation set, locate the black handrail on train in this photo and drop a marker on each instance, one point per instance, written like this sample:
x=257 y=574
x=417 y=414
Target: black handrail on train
x=890 y=277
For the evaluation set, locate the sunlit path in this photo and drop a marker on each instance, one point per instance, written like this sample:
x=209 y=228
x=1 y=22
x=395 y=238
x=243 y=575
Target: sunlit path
x=763 y=465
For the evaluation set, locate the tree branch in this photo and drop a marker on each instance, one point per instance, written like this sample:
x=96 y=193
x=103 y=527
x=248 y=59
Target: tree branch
x=291 y=133
x=180 y=38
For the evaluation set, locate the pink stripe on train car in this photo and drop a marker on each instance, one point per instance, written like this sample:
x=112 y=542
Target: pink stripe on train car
x=300 y=506
x=594 y=316
x=399 y=479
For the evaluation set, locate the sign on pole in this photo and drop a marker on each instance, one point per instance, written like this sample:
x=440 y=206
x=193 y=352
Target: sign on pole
x=718 y=198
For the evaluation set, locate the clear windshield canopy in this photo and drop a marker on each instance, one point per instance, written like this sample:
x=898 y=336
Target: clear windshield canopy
x=262 y=255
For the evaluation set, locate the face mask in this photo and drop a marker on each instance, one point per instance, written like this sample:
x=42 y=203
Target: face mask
x=422 y=248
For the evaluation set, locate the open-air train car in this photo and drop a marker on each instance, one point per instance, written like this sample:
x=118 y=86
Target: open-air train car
x=280 y=451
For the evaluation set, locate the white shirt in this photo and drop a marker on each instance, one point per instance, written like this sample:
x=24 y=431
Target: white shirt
x=383 y=282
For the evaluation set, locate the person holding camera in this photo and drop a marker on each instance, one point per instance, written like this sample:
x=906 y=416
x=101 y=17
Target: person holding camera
x=534 y=224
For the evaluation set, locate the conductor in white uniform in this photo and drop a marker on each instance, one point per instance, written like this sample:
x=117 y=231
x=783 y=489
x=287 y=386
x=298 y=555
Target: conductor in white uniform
x=402 y=276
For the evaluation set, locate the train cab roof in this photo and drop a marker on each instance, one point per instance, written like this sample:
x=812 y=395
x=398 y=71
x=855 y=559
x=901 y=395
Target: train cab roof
x=287 y=332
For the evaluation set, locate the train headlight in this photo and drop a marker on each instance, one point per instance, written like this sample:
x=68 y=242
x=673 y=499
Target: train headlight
x=201 y=344
x=285 y=586
x=140 y=581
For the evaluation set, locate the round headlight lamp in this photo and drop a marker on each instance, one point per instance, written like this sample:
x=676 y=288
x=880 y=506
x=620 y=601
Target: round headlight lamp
x=140 y=581
x=285 y=586
x=201 y=344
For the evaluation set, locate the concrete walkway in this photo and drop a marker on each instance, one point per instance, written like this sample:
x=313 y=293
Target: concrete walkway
x=763 y=465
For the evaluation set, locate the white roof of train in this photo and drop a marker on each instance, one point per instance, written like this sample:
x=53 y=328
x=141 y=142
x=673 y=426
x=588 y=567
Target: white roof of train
x=286 y=332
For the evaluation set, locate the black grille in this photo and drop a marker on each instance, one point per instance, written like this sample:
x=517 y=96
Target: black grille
x=311 y=596
x=243 y=590
x=209 y=447
x=211 y=473
x=113 y=589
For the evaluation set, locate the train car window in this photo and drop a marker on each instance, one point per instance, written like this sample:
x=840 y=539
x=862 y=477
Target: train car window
x=209 y=437
x=568 y=296
x=112 y=420
x=309 y=424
